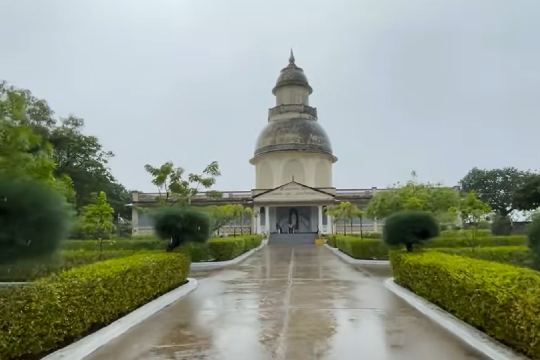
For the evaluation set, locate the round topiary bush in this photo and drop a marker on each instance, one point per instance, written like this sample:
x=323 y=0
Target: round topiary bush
x=501 y=225
x=179 y=225
x=409 y=228
x=533 y=234
x=33 y=220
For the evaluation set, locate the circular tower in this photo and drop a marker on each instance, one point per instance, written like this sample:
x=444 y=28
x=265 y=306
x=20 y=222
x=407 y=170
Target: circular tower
x=293 y=146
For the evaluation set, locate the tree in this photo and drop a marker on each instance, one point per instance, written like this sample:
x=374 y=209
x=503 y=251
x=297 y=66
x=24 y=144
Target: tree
x=496 y=187
x=97 y=219
x=170 y=181
x=20 y=107
x=533 y=234
x=336 y=212
x=527 y=197
x=73 y=163
x=179 y=225
x=82 y=158
x=221 y=215
x=413 y=196
x=501 y=225
x=33 y=219
x=24 y=154
x=410 y=227
x=247 y=211
x=344 y=211
x=472 y=210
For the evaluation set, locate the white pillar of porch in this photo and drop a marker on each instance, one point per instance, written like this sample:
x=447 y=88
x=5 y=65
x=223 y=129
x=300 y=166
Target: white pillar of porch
x=320 y=227
x=267 y=219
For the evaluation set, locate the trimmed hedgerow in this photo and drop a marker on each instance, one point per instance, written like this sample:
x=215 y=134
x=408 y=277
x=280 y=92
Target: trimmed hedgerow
x=28 y=270
x=453 y=242
x=501 y=300
x=360 y=248
x=230 y=247
x=115 y=244
x=515 y=255
x=58 y=309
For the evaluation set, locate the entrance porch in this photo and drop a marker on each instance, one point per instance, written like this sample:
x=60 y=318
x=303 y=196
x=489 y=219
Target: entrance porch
x=292 y=208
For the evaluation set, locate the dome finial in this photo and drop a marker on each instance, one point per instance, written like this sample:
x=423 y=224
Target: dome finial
x=291 y=58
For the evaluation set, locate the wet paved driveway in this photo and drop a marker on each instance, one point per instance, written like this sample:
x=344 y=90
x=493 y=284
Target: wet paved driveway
x=288 y=303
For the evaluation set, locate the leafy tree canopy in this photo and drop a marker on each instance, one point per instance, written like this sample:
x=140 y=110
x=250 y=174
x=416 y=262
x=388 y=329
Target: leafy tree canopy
x=527 y=197
x=33 y=219
x=82 y=158
x=222 y=215
x=413 y=196
x=97 y=218
x=179 y=225
x=496 y=187
x=471 y=209
x=410 y=227
x=33 y=145
x=171 y=182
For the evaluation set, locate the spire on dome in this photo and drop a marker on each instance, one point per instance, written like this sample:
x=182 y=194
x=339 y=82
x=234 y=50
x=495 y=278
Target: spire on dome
x=291 y=58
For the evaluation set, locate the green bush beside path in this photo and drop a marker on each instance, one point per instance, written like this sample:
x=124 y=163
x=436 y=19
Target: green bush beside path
x=501 y=300
x=58 y=309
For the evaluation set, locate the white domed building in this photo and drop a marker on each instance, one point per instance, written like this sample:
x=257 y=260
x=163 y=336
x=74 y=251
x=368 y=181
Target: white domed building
x=293 y=161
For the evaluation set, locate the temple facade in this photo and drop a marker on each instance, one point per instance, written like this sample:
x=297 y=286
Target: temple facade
x=293 y=162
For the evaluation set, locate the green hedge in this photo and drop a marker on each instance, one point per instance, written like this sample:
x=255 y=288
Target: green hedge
x=115 y=244
x=465 y=241
x=501 y=300
x=58 y=309
x=365 y=248
x=515 y=255
x=361 y=248
x=63 y=260
x=465 y=233
x=228 y=248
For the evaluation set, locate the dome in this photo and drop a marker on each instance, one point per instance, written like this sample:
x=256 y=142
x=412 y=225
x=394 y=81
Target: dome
x=297 y=134
x=292 y=75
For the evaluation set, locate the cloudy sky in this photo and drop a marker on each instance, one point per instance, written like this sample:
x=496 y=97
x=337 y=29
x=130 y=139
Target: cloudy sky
x=434 y=86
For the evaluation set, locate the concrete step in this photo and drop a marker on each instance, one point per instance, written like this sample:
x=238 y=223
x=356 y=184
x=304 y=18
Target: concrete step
x=292 y=239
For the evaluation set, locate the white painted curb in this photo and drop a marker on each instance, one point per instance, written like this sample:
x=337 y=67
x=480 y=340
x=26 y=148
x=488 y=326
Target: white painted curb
x=467 y=333
x=354 y=261
x=221 y=264
x=84 y=347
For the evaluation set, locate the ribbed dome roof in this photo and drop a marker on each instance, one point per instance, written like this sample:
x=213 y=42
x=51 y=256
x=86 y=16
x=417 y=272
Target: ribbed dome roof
x=292 y=75
x=293 y=134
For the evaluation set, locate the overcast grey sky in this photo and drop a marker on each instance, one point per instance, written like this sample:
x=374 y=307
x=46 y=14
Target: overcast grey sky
x=432 y=86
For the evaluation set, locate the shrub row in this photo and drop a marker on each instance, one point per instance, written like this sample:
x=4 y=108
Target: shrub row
x=28 y=270
x=501 y=300
x=361 y=248
x=227 y=248
x=115 y=244
x=376 y=249
x=465 y=241
x=515 y=255
x=55 y=310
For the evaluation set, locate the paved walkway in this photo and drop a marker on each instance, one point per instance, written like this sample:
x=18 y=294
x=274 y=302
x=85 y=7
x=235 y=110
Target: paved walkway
x=289 y=303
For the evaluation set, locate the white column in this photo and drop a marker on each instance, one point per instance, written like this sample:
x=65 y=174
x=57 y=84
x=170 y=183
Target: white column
x=375 y=225
x=330 y=222
x=134 y=213
x=320 y=219
x=267 y=215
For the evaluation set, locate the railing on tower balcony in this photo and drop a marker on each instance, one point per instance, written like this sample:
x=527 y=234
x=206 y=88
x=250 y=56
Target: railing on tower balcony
x=299 y=108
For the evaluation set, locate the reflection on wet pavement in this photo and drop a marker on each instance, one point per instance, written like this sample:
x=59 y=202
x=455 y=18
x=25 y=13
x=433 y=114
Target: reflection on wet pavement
x=289 y=303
